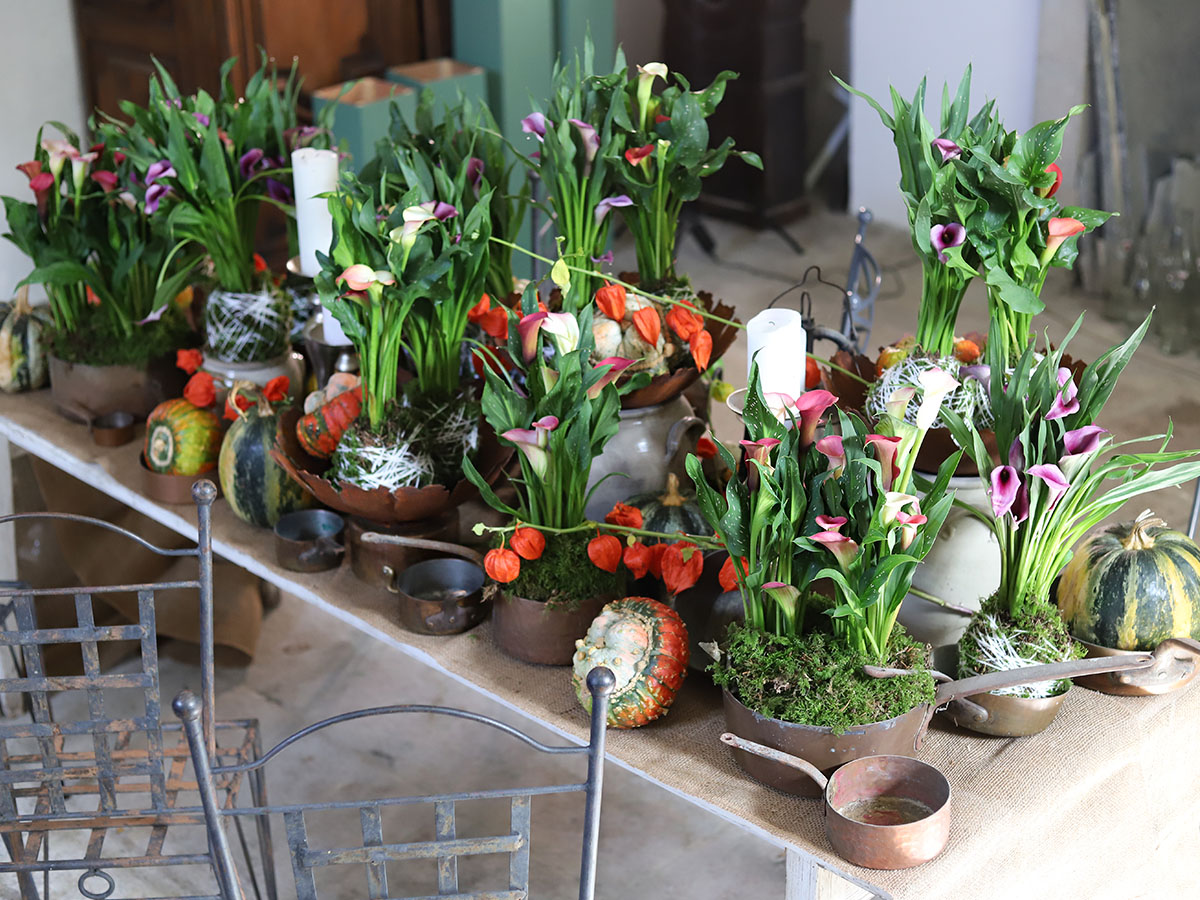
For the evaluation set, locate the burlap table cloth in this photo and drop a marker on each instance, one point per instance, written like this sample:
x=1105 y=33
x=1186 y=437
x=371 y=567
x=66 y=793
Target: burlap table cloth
x=1101 y=806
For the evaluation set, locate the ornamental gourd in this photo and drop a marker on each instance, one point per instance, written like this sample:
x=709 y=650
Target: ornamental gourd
x=1132 y=586
x=181 y=439
x=671 y=512
x=258 y=489
x=645 y=644
x=320 y=430
x=22 y=354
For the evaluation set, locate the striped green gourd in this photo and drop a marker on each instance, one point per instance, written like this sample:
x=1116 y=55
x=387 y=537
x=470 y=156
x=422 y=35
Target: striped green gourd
x=22 y=347
x=1132 y=586
x=258 y=489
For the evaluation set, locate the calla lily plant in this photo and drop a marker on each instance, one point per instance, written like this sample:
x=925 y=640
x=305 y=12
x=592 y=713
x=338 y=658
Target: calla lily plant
x=835 y=506
x=556 y=407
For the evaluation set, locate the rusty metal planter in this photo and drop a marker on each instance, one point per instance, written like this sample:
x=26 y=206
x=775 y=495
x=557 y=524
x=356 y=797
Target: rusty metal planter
x=536 y=632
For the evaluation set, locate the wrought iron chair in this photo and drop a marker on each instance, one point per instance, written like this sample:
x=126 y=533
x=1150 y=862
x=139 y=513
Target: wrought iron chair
x=373 y=851
x=109 y=770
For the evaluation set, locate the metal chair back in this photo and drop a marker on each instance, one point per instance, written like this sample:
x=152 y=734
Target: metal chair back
x=374 y=852
x=108 y=768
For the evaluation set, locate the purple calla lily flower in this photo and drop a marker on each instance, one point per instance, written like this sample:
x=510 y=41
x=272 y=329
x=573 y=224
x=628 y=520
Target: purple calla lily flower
x=1066 y=402
x=535 y=124
x=831 y=446
x=251 y=161
x=948 y=149
x=608 y=203
x=153 y=317
x=1016 y=455
x=981 y=373
x=606 y=258
x=1054 y=479
x=616 y=365
x=441 y=211
x=154 y=195
x=943 y=237
x=842 y=547
x=1005 y=484
x=160 y=169
x=202 y=119
x=278 y=191
x=1083 y=440
x=474 y=171
x=591 y=142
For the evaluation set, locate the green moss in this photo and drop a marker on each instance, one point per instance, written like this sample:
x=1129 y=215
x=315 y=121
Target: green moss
x=95 y=343
x=1042 y=638
x=564 y=575
x=817 y=680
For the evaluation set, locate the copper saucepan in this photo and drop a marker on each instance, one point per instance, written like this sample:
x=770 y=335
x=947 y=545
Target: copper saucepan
x=1176 y=662
x=881 y=812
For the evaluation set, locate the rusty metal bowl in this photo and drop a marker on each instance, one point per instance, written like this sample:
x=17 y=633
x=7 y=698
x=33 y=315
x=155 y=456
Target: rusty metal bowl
x=881 y=812
x=113 y=429
x=1176 y=662
x=173 y=489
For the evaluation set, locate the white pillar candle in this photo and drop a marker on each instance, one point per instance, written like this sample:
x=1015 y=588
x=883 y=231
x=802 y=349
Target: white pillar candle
x=776 y=340
x=313 y=172
x=331 y=330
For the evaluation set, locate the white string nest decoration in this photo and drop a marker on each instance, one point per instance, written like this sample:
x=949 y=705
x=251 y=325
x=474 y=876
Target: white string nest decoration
x=247 y=327
x=969 y=399
x=999 y=650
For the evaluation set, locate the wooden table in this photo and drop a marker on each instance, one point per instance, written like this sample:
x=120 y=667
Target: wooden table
x=1111 y=777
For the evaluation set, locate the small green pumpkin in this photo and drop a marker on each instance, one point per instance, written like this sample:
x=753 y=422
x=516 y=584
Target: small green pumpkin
x=1132 y=585
x=258 y=489
x=22 y=347
x=181 y=439
x=672 y=512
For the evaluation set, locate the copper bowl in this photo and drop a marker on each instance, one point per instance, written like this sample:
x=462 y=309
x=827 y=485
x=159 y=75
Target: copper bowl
x=174 y=489
x=380 y=504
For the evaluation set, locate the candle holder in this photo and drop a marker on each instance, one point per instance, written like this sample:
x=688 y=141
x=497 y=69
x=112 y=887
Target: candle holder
x=326 y=358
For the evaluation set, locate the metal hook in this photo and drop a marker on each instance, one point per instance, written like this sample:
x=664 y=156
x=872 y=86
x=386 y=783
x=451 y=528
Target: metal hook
x=103 y=876
x=803 y=281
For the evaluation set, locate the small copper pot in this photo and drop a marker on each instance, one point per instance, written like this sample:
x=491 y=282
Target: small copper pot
x=370 y=559
x=309 y=540
x=175 y=489
x=881 y=812
x=114 y=428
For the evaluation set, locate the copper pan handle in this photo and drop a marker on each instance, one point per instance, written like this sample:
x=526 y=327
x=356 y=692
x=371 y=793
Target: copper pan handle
x=967 y=709
x=992 y=681
x=375 y=537
x=786 y=759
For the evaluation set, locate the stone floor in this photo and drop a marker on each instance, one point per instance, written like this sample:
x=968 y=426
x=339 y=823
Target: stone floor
x=653 y=844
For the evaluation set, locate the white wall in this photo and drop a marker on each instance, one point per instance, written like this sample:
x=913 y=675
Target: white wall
x=39 y=80
x=897 y=42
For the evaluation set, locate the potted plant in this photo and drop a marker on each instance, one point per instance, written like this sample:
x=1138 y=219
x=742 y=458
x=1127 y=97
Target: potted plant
x=823 y=537
x=1062 y=475
x=210 y=164
x=114 y=278
x=465 y=136
x=405 y=269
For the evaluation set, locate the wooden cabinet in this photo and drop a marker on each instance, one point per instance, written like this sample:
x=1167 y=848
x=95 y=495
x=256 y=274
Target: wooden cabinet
x=333 y=40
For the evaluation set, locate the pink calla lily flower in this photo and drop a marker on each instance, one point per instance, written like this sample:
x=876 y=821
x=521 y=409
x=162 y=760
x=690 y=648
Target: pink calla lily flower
x=758 y=457
x=943 y=237
x=1057 y=231
x=527 y=330
x=811 y=406
x=947 y=148
x=59 y=151
x=1050 y=191
x=358 y=277
x=591 y=142
x=842 y=547
x=783 y=406
x=897 y=404
x=474 y=171
x=1066 y=402
x=31 y=168
x=610 y=203
x=894 y=502
x=533 y=442
x=106 y=180
x=1054 y=479
x=831 y=446
x=909 y=523
x=886 y=448
x=439 y=210
x=563 y=329
x=831 y=523
x=616 y=365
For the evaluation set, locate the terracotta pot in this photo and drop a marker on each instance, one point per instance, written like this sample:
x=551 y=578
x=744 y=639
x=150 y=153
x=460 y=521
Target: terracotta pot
x=534 y=632
x=820 y=746
x=639 y=455
x=368 y=560
x=82 y=392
